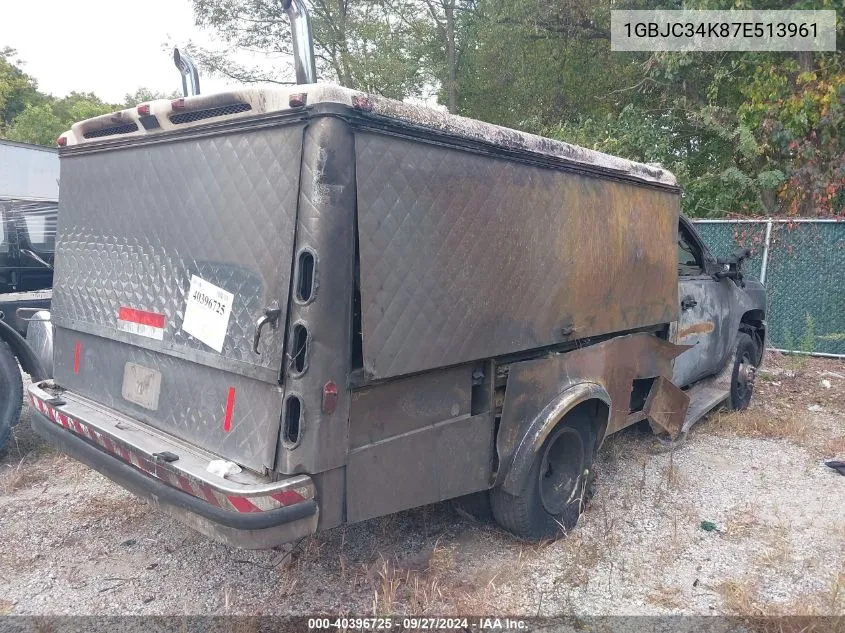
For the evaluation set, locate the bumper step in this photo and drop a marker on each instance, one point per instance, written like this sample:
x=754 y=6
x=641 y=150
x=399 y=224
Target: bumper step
x=174 y=474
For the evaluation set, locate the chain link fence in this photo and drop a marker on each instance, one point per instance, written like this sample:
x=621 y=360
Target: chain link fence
x=802 y=264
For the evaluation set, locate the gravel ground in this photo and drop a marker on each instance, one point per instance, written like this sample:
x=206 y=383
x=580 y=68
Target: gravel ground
x=73 y=542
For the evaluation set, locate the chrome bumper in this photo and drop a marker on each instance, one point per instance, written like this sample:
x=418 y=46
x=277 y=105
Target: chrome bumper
x=245 y=509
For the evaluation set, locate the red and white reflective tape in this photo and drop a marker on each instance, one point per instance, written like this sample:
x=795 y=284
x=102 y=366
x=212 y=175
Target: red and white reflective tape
x=165 y=472
x=141 y=322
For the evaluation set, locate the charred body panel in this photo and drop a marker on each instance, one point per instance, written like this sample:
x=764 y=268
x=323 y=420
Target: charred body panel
x=712 y=310
x=608 y=368
x=320 y=314
x=466 y=256
x=137 y=223
x=415 y=441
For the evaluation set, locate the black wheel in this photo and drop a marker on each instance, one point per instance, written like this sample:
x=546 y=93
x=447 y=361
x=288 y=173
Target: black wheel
x=744 y=371
x=11 y=392
x=558 y=486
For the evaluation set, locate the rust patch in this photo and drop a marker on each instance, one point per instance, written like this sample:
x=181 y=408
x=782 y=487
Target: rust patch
x=702 y=327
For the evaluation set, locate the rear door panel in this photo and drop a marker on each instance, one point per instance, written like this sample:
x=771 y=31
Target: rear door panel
x=135 y=225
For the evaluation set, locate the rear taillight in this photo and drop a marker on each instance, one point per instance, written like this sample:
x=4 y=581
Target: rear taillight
x=144 y=109
x=177 y=104
x=61 y=141
x=298 y=100
x=329 y=397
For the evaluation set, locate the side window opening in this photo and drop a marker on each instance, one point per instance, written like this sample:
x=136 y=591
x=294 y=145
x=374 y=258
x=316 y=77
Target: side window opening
x=41 y=228
x=689 y=258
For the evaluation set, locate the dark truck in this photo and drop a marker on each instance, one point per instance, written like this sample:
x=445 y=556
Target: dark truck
x=27 y=240
x=28 y=207
x=280 y=309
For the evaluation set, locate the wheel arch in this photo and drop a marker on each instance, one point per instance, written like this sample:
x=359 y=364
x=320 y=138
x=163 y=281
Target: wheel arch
x=754 y=323
x=575 y=398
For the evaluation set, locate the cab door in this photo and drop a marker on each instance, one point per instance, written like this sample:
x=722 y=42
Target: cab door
x=8 y=239
x=36 y=225
x=703 y=311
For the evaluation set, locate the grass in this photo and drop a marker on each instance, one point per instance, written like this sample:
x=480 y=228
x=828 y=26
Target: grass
x=418 y=588
x=820 y=612
x=794 y=426
x=743 y=525
x=14 y=477
x=671 y=598
x=758 y=423
x=123 y=507
x=779 y=551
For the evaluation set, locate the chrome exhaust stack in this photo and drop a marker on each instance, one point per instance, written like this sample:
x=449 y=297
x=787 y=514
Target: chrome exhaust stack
x=189 y=72
x=303 y=41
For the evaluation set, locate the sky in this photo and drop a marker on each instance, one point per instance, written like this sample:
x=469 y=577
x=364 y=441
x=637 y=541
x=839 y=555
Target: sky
x=102 y=46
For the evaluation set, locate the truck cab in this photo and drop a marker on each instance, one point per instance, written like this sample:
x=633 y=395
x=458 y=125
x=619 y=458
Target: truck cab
x=27 y=245
x=28 y=207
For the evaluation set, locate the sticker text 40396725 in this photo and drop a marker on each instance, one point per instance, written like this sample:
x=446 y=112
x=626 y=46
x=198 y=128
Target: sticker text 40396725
x=207 y=311
x=208 y=302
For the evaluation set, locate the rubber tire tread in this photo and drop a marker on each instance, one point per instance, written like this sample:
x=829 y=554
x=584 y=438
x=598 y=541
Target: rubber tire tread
x=520 y=514
x=744 y=343
x=11 y=392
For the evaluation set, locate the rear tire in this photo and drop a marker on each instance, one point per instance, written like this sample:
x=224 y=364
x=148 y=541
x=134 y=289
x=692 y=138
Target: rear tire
x=11 y=392
x=558 y=484
x=743 y=374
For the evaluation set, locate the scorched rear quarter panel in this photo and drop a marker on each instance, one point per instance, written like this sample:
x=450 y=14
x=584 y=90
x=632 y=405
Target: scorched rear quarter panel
x=466 y=256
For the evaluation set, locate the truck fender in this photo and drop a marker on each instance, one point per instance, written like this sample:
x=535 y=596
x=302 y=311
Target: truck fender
x=26 y=356
x=542 y=425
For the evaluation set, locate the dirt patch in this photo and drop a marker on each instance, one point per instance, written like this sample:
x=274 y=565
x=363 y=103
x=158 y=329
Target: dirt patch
x=742 y=518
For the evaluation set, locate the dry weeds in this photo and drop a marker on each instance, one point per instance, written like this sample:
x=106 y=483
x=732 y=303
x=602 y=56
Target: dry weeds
x=784 y=397
x=759 y=423
x=125 y=507
x=21 y=475
x=671 y=598
x=802 y=614
x=415 y=584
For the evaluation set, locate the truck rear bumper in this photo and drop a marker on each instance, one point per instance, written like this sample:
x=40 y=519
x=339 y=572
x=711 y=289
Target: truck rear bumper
x=244 y=510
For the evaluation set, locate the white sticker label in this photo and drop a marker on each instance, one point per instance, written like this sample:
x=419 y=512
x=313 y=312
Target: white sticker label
x=207 y=311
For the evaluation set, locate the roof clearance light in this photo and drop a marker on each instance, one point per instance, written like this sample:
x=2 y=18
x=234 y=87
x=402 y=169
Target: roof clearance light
x=298 y=100
x=362 y=103
x=177 y=104
x=144 y=109
x=61 y=141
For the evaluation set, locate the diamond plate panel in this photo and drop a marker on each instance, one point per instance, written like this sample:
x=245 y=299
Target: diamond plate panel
x=135 y=224
x=466 y=256
x=192 y=405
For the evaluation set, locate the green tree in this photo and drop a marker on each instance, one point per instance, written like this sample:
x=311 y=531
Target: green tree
x=145 y=95
x=37 y=124
x=17 y=89
x=43 y=123
x=372 y=45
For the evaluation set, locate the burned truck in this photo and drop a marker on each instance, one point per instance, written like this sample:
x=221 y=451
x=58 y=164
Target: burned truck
x=281 y=309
